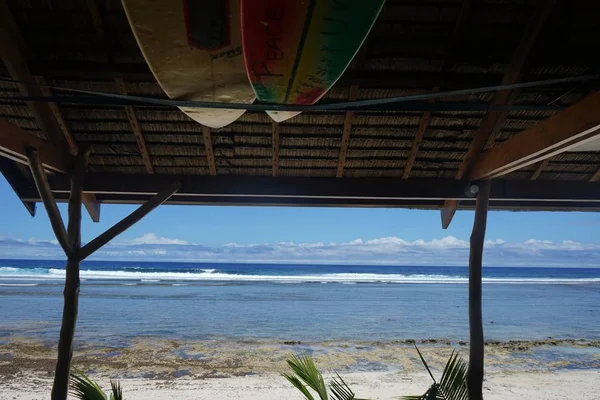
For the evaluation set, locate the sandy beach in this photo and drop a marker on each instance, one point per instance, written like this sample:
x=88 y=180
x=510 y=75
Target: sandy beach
x=375 y=385
x=154 y=368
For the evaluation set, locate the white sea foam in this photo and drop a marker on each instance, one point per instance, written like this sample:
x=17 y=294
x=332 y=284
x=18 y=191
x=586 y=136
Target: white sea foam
x=10 y=273
x=18 y=284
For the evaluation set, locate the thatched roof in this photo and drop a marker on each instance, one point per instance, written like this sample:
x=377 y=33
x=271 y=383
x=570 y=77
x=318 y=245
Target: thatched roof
x=411 y=49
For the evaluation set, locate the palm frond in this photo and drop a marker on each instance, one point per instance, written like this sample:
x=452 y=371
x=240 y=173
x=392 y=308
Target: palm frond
x=84 y=388
x=340 y=389
x=453 y=384
x=305 y=369
x=425 y=363
x=117 y=392
x=299 y=385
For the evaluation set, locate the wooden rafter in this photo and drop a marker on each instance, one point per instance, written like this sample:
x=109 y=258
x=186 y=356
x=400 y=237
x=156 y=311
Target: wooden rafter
x=346 y=133
x=208 y=148
x=135 y=127
x=359 y=62
x=446 y=64
x=275 y=142
x=538 y=171
x=493 y=121
x=596 y=176
x=573 y=127
x=13 y=50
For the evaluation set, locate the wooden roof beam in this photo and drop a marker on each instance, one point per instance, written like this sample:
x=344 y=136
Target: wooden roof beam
x=444 y=65
x=208 y=148
x=135 y=128
x=13 y=50
x=573 y=127
x=493 y=121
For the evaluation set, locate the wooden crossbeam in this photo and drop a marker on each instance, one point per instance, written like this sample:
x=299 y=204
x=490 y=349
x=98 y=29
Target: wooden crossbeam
x=135 y=127
x=538 y=171
x=208 y=147
x=275 y=142
x=13 y=50
x=373 y=191
x=128 y=221
x=346 y=133
x=573 y=127
x=493 y=121
x=446 y=64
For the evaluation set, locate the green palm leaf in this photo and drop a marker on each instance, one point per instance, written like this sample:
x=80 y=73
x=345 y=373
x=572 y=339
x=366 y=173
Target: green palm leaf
x=340 y=389
x=453 y=384
x=117 y=392
x=305 y=369
x=84 y=388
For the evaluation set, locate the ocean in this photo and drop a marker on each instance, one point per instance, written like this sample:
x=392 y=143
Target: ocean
x=120 y=301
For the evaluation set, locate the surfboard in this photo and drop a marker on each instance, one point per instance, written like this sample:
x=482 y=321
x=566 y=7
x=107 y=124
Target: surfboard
x=295 y=51
x=194 y=50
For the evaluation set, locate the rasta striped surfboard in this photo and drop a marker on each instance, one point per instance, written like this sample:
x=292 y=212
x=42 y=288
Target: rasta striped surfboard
x=194 y=50
x=295 y=51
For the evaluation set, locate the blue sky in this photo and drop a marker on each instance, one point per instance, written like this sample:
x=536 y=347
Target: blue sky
x=273 y=234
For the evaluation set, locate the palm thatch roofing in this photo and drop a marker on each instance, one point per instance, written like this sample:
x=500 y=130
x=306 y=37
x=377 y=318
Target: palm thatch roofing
x=416 y=46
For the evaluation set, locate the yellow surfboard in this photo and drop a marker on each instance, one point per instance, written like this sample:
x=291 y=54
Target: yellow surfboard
x=194 y=50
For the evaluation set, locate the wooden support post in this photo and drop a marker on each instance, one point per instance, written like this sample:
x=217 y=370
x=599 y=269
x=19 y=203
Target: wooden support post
x=476 y=344
x=71 y=292
x=128 y=221
x=41 y=181
x=275 y=141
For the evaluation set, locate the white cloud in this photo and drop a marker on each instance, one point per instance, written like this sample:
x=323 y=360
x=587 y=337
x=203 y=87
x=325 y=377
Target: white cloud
x=151 y=238
x=448 y=250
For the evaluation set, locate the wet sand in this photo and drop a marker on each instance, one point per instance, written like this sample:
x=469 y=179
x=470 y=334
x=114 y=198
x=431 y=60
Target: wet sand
x=251 y=368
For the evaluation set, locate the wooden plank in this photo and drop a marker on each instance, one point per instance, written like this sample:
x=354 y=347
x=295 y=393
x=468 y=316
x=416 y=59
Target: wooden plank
x=346 y=133
x=575 y=126
x=208 y=147
x=476 y=341
x=128 y=221
x=275 y=142
x=135 y=127
x=538 y=171
x=492 y=121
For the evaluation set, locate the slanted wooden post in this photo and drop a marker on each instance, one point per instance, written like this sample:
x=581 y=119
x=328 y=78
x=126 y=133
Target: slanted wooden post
x=476 y=350
x=70 y=241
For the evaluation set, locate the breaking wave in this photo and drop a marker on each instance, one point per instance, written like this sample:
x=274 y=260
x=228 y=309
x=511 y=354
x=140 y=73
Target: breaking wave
x=149 y=277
